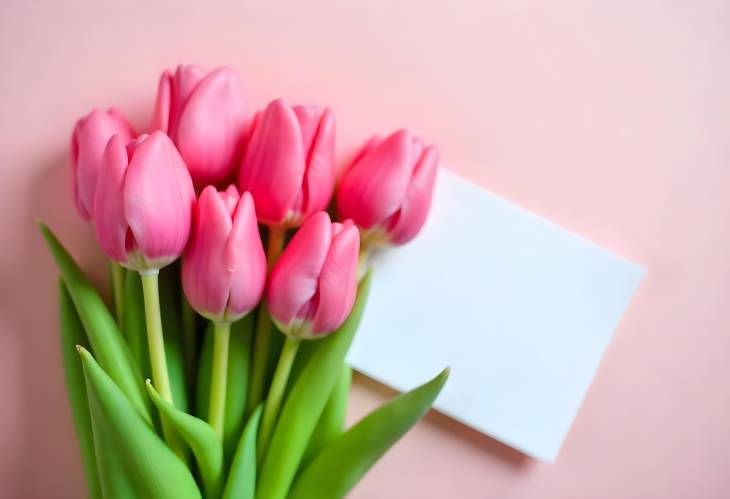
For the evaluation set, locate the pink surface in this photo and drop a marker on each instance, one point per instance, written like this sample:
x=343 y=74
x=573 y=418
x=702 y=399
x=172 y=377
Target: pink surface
x=610 y=118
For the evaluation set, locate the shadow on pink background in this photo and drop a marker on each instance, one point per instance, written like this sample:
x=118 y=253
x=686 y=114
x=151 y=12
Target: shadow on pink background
x=610 y=118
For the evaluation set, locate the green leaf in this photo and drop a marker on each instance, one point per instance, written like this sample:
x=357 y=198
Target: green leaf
x=172 y=332
x=339 y=467
x=133 y=325
x=101 y=329
x=132 y=459
x=201 y=438
x=332 y=421
x=239 y=358
x=305 y=403
x=72 y=334
x=241 y=482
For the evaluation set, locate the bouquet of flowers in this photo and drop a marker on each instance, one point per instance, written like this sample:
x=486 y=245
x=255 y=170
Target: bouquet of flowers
x=220 y=371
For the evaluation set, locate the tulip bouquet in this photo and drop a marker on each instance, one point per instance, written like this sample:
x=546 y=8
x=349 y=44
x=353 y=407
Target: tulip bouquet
x=219 y=370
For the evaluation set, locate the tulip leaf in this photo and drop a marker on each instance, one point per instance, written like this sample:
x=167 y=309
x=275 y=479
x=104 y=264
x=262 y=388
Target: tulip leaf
x=344 y=462
x=72 y=334
x=201 y=438
x=104 y=337
x=133 y=325
x=172 y=333
x=239 y=358
x=332 y=421
x=241 y=483
x=132 y=459
x=305 y=403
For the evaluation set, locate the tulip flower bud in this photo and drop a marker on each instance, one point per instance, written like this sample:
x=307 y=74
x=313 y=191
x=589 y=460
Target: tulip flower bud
x=204 y=116
x=289 y=163
x=313 y=284
x=89 y=139
x=143 y=204
x=387 y=191
x=224 y=264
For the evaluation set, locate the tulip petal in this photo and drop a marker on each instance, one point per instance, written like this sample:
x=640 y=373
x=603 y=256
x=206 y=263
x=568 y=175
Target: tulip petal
x=158 y=199
x=338 y=281
x=373 y=189
x=205 y=276
x=163 y=103
x=273 y=168
x=294 y=278
x=211 y=127
x=110 y=221
x=245 y=259
x=414 y=211
x=319 y=178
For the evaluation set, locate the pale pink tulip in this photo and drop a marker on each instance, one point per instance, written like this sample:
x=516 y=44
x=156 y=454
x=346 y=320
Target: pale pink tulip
x=289 y=163
x=224 y=264
x=388 y=188
x=204 y=115
x=313 y=284
x=89 y=139
x=144 y=201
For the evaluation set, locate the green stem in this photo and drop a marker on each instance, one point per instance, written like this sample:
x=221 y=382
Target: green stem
x=262 y=335
x=276 y=393
x=116 y=273
x=158 y=361
x=218 y=381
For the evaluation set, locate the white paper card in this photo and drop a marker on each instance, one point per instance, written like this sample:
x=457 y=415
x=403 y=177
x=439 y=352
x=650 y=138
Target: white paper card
x=519 y=308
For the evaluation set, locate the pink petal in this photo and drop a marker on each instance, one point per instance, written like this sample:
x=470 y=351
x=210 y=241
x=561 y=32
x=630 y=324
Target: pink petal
x=294 y=278
x=319 y=178
x=338 y=281
x=273 y=168
x=159 y=197
x=183 y=83
x=245 y=260
x=163 y=103
x=109 y=219
x=373 y=189
x=414 y=211
x=205 y=276
x=211 y=129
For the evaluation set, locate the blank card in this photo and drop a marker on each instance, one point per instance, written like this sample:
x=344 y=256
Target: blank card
x=519 y=308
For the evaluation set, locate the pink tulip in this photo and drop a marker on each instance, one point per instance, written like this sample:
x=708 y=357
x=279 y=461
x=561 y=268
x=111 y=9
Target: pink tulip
x=387 y=190
x=224 y=265
x=143 y=203
x=89 y=139
x=204 y=115
x=289 y=164
x=313 y=284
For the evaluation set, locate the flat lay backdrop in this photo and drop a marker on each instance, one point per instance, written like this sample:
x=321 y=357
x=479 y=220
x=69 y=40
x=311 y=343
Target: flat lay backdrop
x=609 y=117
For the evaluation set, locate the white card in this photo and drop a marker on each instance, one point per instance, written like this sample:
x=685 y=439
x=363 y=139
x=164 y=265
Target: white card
x=519 y=308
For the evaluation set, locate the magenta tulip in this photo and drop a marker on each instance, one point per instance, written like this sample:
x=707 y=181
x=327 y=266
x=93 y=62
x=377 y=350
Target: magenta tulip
x=289 y=164
x=313 y=284
x=224 y=264
x=204 y=115
x=144 y=201
x=387 y=191
x=89 y=139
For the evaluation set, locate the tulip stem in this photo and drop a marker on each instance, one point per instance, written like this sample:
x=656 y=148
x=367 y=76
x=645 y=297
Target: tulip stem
x=158 y=360
x=116 y=275
x=219 y=374
x=262 y=335
x=276 y=393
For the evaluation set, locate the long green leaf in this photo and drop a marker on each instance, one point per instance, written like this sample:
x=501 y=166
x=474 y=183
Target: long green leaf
x=332 y=421
x=133 y=325
x=201 y=438
x=101 y=329
x=239 y=358
x=343 y=463
x=305 y=403
x=132 y=459
x=241 y=483
x=72 y=334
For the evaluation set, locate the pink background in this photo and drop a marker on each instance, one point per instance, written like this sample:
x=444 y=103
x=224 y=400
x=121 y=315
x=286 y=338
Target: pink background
x=609 y=117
